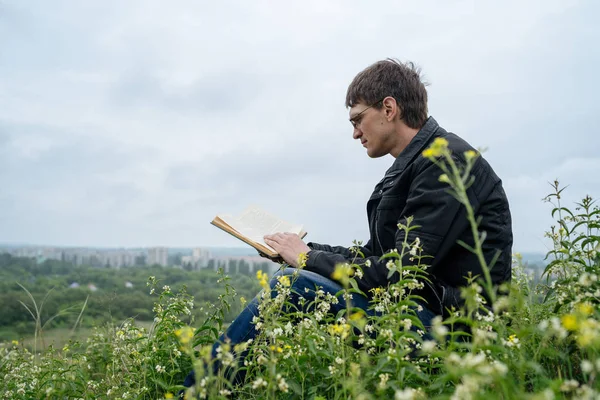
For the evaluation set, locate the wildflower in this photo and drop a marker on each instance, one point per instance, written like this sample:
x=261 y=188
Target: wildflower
x=390 y=264
x=284 y=280
x=436 y=149
x=569 y=322
x=302 y=258
x=263 y=279
x=185 y=334
x=168 y=395
x=383 y=379
x=282 y=384
x=470 y=155
x=513 y=341
x=258 y=383
x=342 y=272
x=585 y=308
x=569 y=385
x=341 y=330
x=160 y=369
x=368 y=263
x=444 y=178
x=15 y=342
x=587 y=366
x=406 y=394
x=438 y=328
x=428 y=346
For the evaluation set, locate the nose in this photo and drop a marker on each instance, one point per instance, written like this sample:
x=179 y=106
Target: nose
x=357 y=133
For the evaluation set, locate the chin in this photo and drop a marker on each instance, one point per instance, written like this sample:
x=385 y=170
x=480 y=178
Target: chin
x=374 y=154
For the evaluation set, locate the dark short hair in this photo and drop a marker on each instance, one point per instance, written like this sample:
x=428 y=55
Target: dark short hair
x=390 y=77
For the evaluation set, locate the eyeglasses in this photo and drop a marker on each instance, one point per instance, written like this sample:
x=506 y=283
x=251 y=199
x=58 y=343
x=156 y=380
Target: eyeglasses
x=357 y=119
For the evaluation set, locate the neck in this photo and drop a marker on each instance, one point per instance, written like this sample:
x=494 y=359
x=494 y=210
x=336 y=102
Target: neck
x=404 y=135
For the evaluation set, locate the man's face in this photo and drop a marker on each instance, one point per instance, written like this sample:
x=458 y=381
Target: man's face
x=371 y=129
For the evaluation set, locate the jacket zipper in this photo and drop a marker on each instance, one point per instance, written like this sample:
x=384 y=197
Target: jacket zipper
x=377 y=235
x=436 y=295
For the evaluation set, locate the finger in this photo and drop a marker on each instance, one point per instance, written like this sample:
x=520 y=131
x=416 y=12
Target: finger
x=271 y=238
x=273 y=243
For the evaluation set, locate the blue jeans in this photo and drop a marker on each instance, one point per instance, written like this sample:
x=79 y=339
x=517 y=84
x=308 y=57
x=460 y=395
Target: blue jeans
x=242 y=328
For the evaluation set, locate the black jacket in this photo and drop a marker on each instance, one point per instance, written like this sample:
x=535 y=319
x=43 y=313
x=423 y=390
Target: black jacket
x=411 y=187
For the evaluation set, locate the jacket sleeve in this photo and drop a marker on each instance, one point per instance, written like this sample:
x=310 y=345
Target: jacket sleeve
x=344 y=251
x=433 y=208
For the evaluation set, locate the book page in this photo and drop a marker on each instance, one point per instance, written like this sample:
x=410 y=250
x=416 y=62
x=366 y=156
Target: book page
x=254 y=223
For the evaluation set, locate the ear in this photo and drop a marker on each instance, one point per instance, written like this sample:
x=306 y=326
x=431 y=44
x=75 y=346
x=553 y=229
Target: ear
x=391 y=108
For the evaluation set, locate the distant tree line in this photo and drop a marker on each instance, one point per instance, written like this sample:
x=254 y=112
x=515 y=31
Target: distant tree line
x=114 y=294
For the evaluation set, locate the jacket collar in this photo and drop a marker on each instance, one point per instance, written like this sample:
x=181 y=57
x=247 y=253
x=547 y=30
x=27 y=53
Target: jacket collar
x=416 y=146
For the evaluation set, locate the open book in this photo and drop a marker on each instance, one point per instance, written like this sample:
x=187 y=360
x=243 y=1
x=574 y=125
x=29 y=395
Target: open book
x=254 y=223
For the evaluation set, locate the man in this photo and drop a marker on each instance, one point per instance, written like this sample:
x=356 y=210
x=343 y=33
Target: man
x=388 y=112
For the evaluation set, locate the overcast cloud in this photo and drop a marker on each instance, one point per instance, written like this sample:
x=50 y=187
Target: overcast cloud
x=132 y=123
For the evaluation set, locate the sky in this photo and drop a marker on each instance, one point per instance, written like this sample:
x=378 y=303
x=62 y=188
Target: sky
x=133 y=123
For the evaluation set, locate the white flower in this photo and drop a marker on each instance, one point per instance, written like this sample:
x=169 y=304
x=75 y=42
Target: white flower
x=282 y=384
x=383 y=379
x=428 y=346
x=258 y=383
x=587 y=366
x=569 y=385
x=406 y=394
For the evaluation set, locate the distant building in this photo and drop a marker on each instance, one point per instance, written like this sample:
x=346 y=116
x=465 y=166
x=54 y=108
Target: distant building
x=200 y=257
x=157 y=255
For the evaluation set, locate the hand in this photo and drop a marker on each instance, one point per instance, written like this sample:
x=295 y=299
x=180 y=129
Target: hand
x=288 y=245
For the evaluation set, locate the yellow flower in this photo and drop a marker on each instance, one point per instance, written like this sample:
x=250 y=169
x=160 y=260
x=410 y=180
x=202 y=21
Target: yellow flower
x=15 y=342
x=284 y=280
x=278 y=349
x=569 y=322
x=356 y=316
x=585 y=308
x=513 y=338
x=302 y=258
x=168 y=395
x=428 y=153
x=342 y=272
x=436 y=149
x=243 y=301
x=444 y=178
x=440 y=142
x=185 y=334
x=341 y=330
x=470 y=155
x=263 y=279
